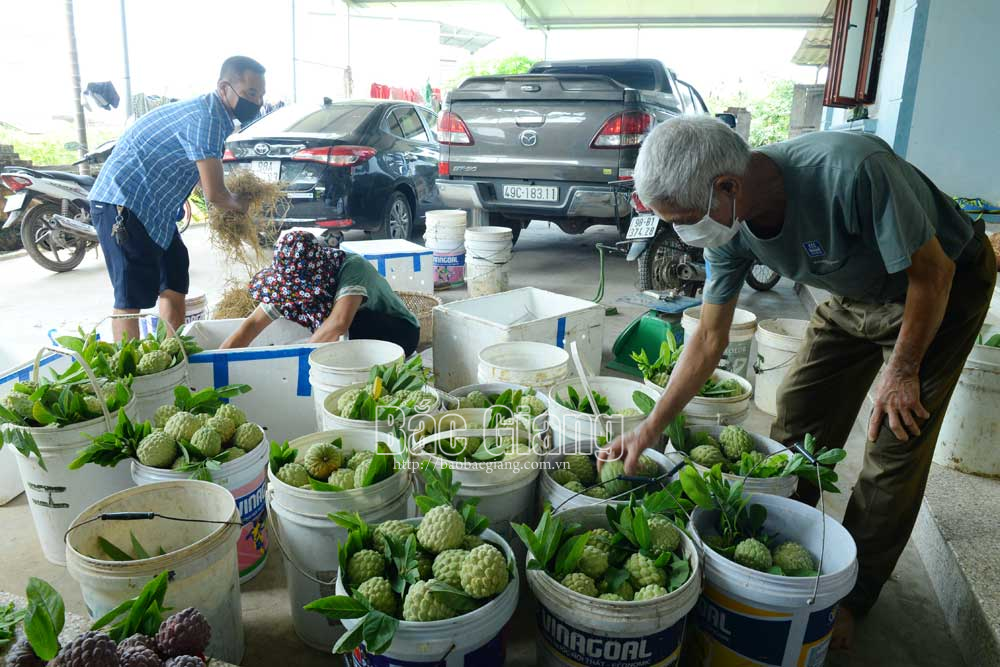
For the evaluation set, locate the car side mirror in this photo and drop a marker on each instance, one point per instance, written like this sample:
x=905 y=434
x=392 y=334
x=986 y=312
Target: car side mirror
x=727 y=118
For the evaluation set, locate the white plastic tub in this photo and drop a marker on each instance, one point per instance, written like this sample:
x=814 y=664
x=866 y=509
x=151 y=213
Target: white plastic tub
x=575 y=630
x=195 y=310
x=970 y=431
x=477 y=638
x=10 y=478
x=774 y=486
x=346 y=363
x=488 y=254
x=750 y=617
x=778 y=341
x=736 y=357
x=308 y=540
x=526 y=363
x=332 y=420
x=245 y=478
x=570 y=426
x=706 y=411
x=201 y=557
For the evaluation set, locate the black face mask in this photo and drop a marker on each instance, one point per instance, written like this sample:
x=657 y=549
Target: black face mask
x=245 y=110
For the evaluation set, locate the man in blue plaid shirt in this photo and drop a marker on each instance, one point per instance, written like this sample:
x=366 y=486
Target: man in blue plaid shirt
x=141 y=189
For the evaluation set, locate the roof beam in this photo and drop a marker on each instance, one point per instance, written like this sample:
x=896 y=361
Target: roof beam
x=682 y=22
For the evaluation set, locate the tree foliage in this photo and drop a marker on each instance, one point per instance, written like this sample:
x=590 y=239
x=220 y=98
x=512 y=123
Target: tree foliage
x=770 y=113
x=503 y=67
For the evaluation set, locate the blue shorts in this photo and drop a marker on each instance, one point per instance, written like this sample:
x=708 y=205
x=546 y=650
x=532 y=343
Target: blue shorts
x=140 y=270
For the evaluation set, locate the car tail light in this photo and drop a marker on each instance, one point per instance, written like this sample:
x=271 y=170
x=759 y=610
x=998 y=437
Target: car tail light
x=452 y=130
x=228 y=156
x=15 y=183
x=343 y=222
x=337 y=156
x=638 y=205
x=444 y=168
x=624 y=129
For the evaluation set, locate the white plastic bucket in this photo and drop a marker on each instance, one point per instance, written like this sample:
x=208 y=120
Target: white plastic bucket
x=476 y=638
x=571 y=426
x=970 y=431
x=332 y=421
x=201 y=557
x=748 y=617
x=10 y=478
x=308 y=540
x=195 y=310
x=736 y=357
x=445 y=235
x=530 y=364
x=575 y=630
x=774 y=486
x=449 y=266
x=152 y=391
x=346 y=363
x=778 y=341
x=561 y=498
x=246 y=479
x=707 y=411
x=488 y=254
x=540 y=422
x=486 y=278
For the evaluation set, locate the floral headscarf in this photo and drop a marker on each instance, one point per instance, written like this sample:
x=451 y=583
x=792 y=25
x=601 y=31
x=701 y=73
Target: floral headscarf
x=302 y=280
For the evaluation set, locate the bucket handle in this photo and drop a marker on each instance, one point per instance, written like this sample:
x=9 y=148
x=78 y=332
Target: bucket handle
x=276 y=536
x=86 y=369
x=758 y=370
x=139 y=316
x=143 y=516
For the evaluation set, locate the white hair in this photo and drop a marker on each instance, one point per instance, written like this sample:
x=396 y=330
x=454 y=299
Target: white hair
x=681 y=157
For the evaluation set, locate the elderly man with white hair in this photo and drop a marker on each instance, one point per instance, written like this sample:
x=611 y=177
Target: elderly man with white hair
x=910 y=277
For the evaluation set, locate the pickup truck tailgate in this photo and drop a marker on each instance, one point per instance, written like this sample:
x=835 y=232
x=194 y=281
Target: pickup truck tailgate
x=536 y=127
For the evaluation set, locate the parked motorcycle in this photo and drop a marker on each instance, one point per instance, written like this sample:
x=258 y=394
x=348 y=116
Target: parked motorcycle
x=667 y=264
x=53 y=208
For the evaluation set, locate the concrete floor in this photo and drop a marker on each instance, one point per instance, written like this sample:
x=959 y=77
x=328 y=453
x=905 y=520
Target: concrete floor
x=906 y=627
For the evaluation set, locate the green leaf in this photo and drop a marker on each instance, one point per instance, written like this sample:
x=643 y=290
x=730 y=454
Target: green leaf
x=350 y=640
x=106 y=620
x=337 y=607
x=643 y=402
x=569 y=555
x=39 y=628
x=452 y=597
x=640 y=528
x=757 y=515
x=40 y=591
x=23 y=442
x=140 y=553
x=530 y=541
x=680 y=571
x=379 y=630
x=113 y=552
x=695 y=487
x=317 y=485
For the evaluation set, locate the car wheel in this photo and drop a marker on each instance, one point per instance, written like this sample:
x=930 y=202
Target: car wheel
x=515 y=226
x=397 y=219
x=49 y=247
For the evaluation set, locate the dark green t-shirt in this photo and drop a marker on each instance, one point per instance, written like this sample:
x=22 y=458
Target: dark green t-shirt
x=855 y=214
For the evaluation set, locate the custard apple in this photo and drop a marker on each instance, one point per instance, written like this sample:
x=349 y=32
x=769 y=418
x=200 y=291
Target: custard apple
x=735 y=442
x=364 y=565
x=207 y=441
x=357 y=457
x=477 y=399
x=163 y=413
x=425 y=566
x=600 y=538
x=643 y=571
x=137 y=641
x=22 y=655
x=792 y=557
x=649 y=592
x=597 y=492
x=346 y=401
x=323 y=459
x=563 y=476
x=484 y=572
x=704 y=438
x=185 y=633
x=611 y=597
x=442 y=528
x=580 y=583
x=232 y=413
x=470 y=542
x=178 y=463
x=707 y=455
x=156 y=361
x=157 y=449
x=581 y=466
x=574 y=487
x=233 y=453
x=398 y=530
x=91 y=649
x=361 y=472
x=420 y=605
x=139 y=656
x=26 y=387
x=753 y=554
x=223 y=426
x=648 y=467
x=378 y=591
x=610 y=472
x=535 y=405
x=184 y=661
x=182 y=426
x=19 y=404
x=203 y=418
x=248 y=435
x=294 y=474
x=171 y=346
x=448 y=566
x=91 y=403
x=593 y=562
x=624 y=590
x=663 y=535
x=344 y=478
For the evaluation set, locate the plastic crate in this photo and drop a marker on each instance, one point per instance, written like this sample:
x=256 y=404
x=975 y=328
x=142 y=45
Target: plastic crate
x=407 y=266
x=463 y=328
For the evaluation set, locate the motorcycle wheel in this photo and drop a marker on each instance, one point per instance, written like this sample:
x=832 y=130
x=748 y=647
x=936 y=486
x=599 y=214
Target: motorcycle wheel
x=51 y=249
x=762 y=277
x=657 y=266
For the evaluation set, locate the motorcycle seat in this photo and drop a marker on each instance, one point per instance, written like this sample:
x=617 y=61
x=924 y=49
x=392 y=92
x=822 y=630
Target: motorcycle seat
x=84 y=181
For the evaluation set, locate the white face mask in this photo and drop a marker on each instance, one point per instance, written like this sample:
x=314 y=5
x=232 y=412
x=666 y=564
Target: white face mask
x=708 y=232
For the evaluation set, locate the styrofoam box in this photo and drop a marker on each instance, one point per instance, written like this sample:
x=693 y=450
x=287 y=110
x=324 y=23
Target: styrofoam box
x=407 y=266
x=209 y=334
x=463 y=328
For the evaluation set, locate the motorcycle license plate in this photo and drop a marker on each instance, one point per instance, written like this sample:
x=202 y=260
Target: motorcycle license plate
x=14 y=202
x=642 y=227
x=266 y=170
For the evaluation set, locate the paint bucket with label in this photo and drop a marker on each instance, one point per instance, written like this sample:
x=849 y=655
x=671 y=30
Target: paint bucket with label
x=445 y=235
x=746 y=617
x=575 y=630
x=736 y=357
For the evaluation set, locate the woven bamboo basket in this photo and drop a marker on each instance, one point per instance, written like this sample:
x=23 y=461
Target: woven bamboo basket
x=421 y=305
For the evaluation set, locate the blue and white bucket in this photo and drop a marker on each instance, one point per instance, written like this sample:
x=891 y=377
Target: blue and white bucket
x=445 y=235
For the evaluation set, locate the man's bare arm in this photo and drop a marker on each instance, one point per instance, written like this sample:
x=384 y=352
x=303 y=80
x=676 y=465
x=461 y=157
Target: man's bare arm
x=213 y=183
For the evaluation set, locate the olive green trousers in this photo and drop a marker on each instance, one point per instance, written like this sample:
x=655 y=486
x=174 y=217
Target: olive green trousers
x=845 y=345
